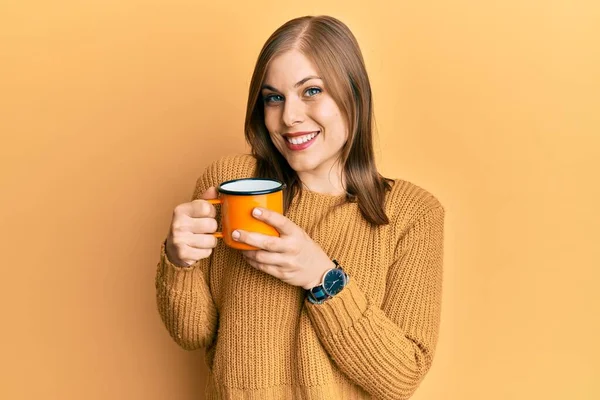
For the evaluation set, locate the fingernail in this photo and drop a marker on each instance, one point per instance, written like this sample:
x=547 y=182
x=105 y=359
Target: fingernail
x=235 y=235
x=256 y=212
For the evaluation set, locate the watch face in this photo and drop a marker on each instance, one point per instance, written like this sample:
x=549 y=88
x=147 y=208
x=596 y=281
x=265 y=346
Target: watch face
x=334 y=281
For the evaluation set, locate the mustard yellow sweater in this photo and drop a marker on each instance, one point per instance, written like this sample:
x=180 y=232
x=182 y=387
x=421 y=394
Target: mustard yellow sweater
x=264 y=340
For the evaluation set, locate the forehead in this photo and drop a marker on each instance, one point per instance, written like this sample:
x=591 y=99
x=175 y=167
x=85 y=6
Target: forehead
x=289 y=68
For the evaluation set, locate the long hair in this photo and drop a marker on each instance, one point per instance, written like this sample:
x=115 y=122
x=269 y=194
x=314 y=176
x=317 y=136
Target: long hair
x=333 y=49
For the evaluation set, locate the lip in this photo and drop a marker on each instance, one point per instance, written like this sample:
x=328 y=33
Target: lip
x=302 y=146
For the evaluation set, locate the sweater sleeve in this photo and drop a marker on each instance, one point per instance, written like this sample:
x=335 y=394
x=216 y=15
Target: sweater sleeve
x=185 y=303
x=388 y=350
x=183 y=296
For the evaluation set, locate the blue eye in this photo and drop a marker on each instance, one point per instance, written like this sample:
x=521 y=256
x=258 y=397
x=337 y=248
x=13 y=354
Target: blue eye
x=312 y=91
x=273 y=98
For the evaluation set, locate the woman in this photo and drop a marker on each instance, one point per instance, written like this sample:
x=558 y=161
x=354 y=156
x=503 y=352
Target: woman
x=268 y=329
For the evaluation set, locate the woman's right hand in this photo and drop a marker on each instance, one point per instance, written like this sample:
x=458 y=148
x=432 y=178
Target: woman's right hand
x=190 y=236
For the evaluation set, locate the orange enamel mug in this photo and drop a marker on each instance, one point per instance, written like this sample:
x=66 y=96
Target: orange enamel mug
x=238 y=198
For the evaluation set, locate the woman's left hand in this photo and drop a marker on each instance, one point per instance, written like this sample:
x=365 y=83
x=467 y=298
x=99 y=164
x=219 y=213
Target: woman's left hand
x=293 y=257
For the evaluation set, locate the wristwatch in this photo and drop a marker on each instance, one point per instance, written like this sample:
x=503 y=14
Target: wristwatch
x=334 y=280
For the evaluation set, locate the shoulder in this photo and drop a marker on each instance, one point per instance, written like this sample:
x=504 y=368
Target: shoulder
x=231 y=166
x=234 y=166
x=407 y=202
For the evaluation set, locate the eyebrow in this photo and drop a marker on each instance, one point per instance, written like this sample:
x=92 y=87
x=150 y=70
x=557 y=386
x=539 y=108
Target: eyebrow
x=299 y=83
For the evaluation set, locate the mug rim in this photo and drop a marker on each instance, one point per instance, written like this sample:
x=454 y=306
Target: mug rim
x=252 y=192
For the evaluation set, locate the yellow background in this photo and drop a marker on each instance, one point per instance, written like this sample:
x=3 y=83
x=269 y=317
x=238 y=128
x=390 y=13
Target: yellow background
x=109 y=110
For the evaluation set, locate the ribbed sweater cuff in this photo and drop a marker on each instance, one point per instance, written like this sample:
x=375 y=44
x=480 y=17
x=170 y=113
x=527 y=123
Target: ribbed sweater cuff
x=339 y=313
x=180 y=279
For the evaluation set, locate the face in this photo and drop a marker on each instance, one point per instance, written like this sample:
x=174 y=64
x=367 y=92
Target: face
x=303 y=120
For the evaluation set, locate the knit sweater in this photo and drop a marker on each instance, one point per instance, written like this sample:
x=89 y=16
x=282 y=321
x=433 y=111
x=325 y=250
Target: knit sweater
x=264 y=340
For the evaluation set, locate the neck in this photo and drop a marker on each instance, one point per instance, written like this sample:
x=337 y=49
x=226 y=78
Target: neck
x=331 y=185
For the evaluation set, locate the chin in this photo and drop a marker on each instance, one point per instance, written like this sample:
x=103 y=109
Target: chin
x=300 y=165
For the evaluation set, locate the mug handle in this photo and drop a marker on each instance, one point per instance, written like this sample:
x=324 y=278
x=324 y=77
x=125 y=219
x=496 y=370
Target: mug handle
x=215 y=202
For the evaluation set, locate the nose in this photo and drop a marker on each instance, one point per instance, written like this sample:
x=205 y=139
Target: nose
x=293 y=112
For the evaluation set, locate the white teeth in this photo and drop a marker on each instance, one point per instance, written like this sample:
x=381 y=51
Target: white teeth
x=302 y=139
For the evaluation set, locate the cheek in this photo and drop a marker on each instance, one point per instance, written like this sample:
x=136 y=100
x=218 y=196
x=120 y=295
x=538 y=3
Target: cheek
x=325 y=108
x=277 y=141
x=271 y=122
x=329 y=116
x=271 y=119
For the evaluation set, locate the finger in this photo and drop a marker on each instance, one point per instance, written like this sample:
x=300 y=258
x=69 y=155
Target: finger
x=185 y=225
x=196 y=209
x=272 y=270
x=190 y=255
x=202 y=225
x=265 y=242
x=202 y=241
x=210 y=193
x=264 y=257
x=283 y=225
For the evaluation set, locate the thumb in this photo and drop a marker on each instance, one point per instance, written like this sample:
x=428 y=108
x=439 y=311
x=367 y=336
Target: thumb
x=210 y=193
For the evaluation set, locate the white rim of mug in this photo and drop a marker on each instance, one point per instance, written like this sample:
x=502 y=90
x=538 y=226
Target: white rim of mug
x=278 y=188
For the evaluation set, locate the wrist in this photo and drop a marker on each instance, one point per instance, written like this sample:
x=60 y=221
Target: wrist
x=319 y=275
x=333 y=282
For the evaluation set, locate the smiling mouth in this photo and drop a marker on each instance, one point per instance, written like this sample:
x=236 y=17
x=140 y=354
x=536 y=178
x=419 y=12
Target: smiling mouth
x=298 y=140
